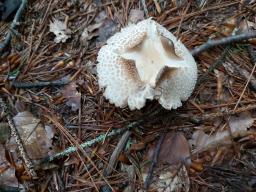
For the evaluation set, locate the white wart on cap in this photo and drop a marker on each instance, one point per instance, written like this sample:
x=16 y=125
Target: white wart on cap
x=146 y=61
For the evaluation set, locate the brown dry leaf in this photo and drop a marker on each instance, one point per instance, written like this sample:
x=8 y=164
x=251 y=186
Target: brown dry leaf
x=90 y=32
x=174 y=149
x=60 y=30
x=246 y=25
x=170 y=179
x=135 y=16
x=241 y=122
x=36 y=139
x=171 y=174
x=238 y=125
x=180 y=3
x=5 y=132
x=72 y=95
x=7 y=173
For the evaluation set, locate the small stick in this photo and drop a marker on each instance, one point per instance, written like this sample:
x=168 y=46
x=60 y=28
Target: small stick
x=29 y=85
x=102 y=137
x=224 y=41
x=18 y=140
x=119 y=148
x=144 y=5
x=154 y=161
x=114 y=158
x=14 y=24
x=216 y=65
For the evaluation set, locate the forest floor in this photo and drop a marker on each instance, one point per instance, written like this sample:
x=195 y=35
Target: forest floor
x=49 y=84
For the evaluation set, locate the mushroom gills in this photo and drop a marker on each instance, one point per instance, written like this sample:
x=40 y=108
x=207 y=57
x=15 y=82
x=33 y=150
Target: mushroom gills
x=153 y=57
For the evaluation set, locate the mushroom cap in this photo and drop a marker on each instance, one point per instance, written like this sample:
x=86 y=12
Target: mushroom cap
x=146 y=61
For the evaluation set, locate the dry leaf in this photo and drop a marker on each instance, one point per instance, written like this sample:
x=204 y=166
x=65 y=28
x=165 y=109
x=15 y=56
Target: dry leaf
x=170 y=179
x=5 y=132
x=239 y=128
x=180 y=3
x=135 y=16
x=241 y=122
x=7 y=173
x=107 y=30
x=246 y=26
x=33 y=134
x=174 y=152
x=72 y=95
x=174 y=149
x=60 y=30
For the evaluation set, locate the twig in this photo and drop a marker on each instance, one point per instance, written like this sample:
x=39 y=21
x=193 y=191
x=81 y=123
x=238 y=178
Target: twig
x=144 y=5
x=102 y=137
x=224 y=41
x=18 y=140
x=114 y=157
x=216 y=65
x=40 y=83
x=90 y=143
x=154 y=161
x=14 y=24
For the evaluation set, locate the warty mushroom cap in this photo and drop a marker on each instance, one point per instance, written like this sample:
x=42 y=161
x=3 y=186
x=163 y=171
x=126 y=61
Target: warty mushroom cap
x=146 y=61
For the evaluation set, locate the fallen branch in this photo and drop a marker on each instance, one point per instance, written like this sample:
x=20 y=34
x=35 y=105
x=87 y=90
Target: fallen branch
x=28 y=85
x=144 y=5
x=224 y=41
x=14 y=24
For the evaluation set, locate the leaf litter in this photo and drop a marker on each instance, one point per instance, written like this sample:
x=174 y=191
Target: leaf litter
x=90 y=24
x=174 y=158
x=239 y=127
x=37 y=141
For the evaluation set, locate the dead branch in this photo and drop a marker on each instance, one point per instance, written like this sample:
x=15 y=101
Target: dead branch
x=28 y=85
x=224 y=41
x=144 y=5
x=14 y=24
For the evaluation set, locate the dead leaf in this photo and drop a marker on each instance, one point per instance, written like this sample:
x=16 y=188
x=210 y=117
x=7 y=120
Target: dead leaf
x=180 y=3
x=7 y=172
x=239 y=128
x=33 y=134
x=174 y=149
x=60 y=30
x=246 y=26
x=241 y=122
x=108 y=28
x=171 y=173
x=5 y=132
x=170 y=179
x=135 y=16
x=72 y=95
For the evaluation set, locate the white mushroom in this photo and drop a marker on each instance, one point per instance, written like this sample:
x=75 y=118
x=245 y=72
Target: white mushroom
x=146 y=61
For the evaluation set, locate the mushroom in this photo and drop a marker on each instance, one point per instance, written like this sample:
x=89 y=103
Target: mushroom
x=146 y=61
